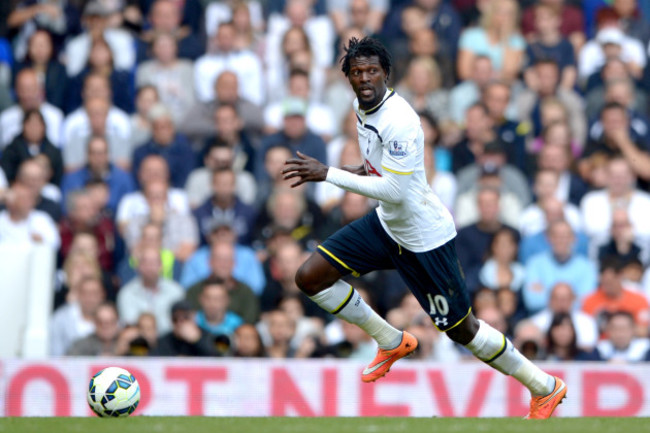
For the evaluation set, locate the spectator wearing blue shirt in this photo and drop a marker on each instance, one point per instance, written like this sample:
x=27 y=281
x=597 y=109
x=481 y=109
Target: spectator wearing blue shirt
x=225 y=207
x=537 y=243
x=498 y=38
x=561 y=264
x=248 y=268
x=167 y=143
x=214 y=317
x=119 y=182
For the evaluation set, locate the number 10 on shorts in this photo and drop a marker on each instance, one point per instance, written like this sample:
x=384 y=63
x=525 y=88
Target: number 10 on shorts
x=438 y=306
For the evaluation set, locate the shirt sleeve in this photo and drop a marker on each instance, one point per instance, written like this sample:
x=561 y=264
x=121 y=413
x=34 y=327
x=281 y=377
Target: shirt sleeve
x=398 y=164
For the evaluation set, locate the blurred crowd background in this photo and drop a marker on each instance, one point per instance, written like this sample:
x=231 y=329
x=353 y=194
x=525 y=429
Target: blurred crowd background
x=143 y=141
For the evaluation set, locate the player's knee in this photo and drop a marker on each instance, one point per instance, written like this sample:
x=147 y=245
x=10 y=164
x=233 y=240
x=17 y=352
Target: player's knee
x=465 y=331
x=307 y=281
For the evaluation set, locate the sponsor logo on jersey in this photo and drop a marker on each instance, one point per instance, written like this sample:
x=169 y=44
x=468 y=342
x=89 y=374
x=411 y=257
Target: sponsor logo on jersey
x=397 y=148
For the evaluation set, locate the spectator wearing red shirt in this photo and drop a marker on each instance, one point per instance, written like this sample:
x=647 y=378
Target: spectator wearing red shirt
x=83 y=216
x=612 y=297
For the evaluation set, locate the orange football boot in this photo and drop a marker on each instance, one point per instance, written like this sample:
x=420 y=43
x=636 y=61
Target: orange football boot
x=542 y=407
x=386 y=357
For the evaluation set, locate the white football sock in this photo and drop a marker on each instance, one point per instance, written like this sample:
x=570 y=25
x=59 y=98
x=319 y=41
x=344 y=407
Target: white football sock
x=343 y=301
x=493 y=348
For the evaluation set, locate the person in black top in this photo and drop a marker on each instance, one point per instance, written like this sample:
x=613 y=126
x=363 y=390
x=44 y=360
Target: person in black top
x=186 y=338
x=30 y=143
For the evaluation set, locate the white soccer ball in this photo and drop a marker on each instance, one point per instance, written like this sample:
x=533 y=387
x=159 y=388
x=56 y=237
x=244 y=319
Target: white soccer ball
x=113 y=392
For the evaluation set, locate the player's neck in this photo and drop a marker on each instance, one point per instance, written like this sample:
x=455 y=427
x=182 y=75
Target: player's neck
x=363 y=110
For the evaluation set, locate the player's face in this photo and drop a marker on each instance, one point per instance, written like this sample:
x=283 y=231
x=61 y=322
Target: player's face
x=368 y=80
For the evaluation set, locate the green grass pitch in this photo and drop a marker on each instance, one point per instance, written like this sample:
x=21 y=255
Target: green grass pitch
x=145 y=424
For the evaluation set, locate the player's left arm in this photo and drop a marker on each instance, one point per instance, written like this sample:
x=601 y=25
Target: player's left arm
x=389 y=187
x=398 y=164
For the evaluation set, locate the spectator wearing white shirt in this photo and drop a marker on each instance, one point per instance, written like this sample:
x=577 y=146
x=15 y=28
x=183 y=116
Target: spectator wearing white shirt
x=319 y=28
x=296 y=52
x=561 y=300
x=247 y=16
x=533 y=220
x=31 y=96
x=97 y=117
x=153 y=168
x=611 y=42
x=21 y=223
x=598 y=206
x=172 y=77
x=97 y=24
x=621 y=346
x=149 y=293
x=225 y=57
x=74 y=320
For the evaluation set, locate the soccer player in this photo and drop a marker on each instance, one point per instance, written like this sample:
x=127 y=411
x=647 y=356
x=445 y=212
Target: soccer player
x=410 y=231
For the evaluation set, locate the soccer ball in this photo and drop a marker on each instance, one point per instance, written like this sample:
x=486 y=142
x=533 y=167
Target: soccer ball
x=113 y=392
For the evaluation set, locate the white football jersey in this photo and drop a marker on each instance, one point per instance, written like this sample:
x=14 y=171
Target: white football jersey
x=392 y=143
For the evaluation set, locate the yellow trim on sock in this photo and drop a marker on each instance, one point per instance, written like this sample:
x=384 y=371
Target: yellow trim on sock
x=499 y=352
x=339 y=261
x=345 y=301
x=455 y=324
x=403 y=173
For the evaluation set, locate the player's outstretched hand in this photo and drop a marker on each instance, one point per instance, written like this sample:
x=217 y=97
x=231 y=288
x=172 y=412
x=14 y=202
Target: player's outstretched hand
x=306 y=168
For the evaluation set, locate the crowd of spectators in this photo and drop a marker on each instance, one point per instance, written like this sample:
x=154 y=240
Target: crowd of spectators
x=142 y=140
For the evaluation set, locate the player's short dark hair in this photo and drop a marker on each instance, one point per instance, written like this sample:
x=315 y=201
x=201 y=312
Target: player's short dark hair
x=366 y=47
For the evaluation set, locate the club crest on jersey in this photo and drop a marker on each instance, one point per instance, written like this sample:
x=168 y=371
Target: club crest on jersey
x=397 y=148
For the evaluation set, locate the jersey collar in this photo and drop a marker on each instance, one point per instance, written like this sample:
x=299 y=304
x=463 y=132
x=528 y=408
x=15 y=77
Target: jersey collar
x=389 y=92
